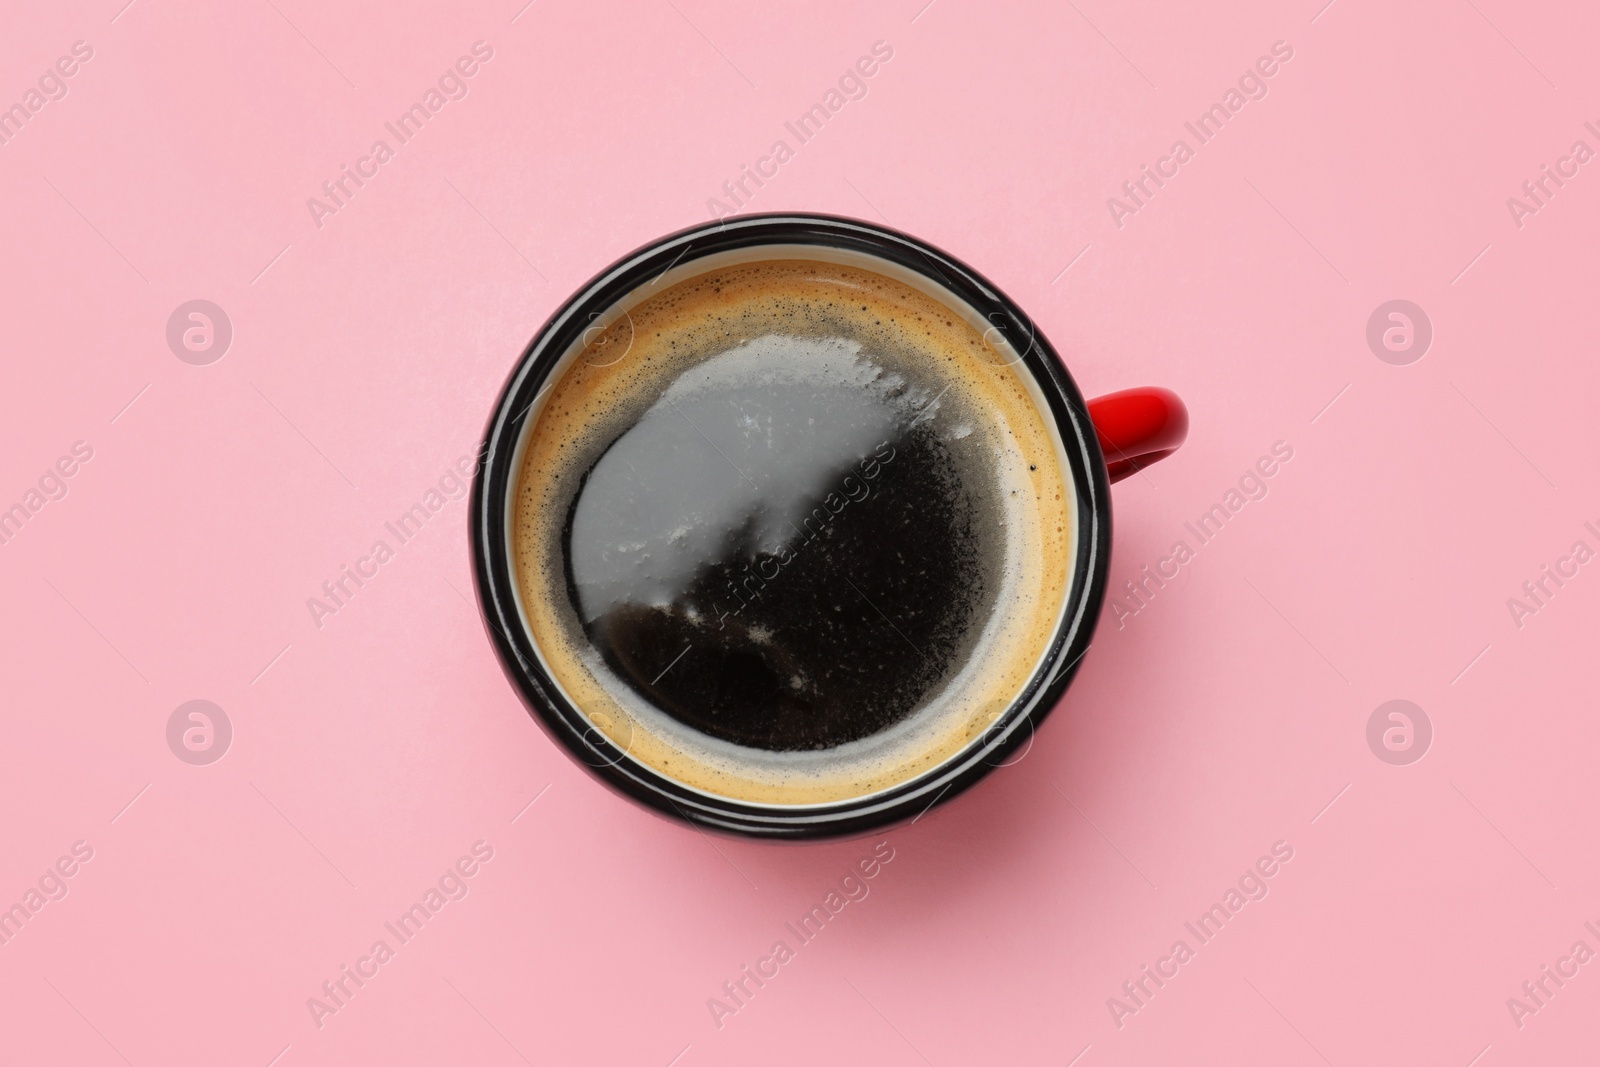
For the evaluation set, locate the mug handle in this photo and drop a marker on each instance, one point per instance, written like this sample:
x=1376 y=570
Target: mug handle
x=1136 y=427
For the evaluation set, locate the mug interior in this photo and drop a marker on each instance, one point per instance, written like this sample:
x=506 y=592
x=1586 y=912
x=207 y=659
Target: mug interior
x=607 y=300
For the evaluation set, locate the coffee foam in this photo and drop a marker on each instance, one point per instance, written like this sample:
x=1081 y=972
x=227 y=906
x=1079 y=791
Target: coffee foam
x=619 y=371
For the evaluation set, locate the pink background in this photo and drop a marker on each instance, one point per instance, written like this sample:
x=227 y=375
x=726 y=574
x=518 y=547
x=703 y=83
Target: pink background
x=368 y=754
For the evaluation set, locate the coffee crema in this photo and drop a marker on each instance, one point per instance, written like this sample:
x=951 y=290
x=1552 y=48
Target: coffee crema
x=791 y=531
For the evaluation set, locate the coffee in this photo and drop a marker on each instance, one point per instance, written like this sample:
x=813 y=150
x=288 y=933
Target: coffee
x=791 y=530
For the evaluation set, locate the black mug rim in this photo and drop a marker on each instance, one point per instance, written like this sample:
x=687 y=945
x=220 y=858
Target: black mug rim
x=495 y=576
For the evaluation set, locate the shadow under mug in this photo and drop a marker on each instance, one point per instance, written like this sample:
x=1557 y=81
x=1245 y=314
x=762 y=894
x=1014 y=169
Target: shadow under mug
x=1102 y=441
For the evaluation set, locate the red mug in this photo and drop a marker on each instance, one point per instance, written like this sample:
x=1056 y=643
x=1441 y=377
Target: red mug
x=1102 y=441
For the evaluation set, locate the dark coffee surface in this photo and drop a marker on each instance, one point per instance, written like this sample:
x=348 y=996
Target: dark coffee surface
x=787 y=530
x=782 y=550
